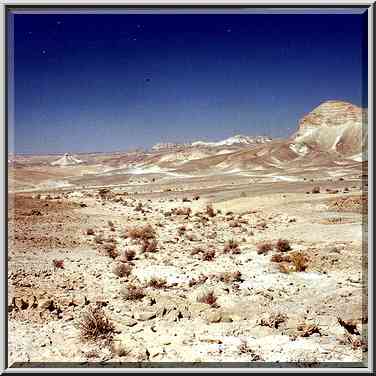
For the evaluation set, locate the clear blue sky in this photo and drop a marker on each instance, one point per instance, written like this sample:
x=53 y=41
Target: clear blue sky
x=105 y=82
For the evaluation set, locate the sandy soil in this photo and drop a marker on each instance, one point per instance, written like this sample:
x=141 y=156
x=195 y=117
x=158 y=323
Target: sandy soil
x=303 y=303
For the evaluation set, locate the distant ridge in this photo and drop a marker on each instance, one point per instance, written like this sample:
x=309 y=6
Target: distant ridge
x=231 y=141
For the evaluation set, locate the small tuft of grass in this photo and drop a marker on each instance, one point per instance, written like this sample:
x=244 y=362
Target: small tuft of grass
x=149 y=245
x=157 y=283
x=229 y=277
x=95 y=325
x=208 y=298
x=307 y=330
x=283 y=245
x=274 y=320
x=122 y=270
x=201 y=279
x=264 y=247
x=58 y=264
x=133 y=292
x=111 y=250
x=182 y=211
x=208 y=255
x=280 y=258
x=141 y=232
x=231 y=246
x=299 y=261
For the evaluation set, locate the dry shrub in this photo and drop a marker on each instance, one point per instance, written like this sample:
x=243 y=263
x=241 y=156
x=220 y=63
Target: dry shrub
x=210 y=211
x=229 y=277
x=316 y=189
x=196 y=197
x=122 y=270
x=280 y=258
x=307 y=330
x=208 y=298
x=110 y=249
x=182 y=211
x=141 y=232
x=128 y=255
x=186 y=199
x=133 y=292
x=263 y=248
x=283 y=245
x=231 y=246
x=110 y=224
x=201 y=279
x=105 y=193
x=274 y=320
x=58 y=264
x=208 y=255
x=299 y=260
x=89 y=231
x=149 y=245
x=157 y=283
x=95 y=325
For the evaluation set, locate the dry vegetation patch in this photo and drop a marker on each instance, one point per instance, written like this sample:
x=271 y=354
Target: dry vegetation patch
x=208 y=255
x=274 y=320
x=231 y=246
x=264 y=247
x=157 y=283
x=133 y=292
x=96 y=325
x=283 y=245
x=122 y=270
x=208 y=298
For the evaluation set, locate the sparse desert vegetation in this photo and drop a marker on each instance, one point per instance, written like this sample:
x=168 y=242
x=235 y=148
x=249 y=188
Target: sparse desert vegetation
x=130 y=271
x=95 y=325
x=183 y=189
x=264 y=247
x=133 y=292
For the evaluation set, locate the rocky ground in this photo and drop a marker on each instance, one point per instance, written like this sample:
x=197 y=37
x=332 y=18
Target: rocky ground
x=207 y=274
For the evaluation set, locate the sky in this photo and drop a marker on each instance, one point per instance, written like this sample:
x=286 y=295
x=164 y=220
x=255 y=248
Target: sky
x=116 y=82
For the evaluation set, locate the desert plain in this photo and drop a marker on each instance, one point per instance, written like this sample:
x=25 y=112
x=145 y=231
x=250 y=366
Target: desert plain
x=246 y=250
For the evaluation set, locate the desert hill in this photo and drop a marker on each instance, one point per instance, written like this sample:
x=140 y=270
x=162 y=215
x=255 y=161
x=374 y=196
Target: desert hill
x=336 y=126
